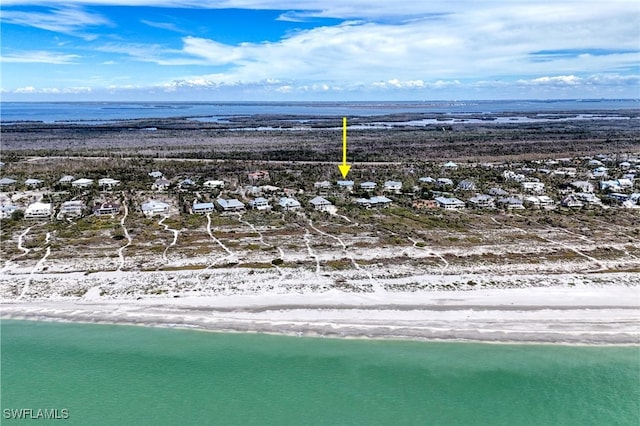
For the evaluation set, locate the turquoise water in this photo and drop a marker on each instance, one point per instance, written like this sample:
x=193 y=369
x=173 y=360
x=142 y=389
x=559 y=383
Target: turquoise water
x=105 y=374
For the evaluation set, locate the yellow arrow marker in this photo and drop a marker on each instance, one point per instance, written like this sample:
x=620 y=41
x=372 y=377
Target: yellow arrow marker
x=344 y=167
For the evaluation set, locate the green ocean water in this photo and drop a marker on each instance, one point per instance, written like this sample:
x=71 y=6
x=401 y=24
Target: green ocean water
x=121 y=375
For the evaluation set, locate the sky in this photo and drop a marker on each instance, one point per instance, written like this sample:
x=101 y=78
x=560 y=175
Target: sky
x=313 y=50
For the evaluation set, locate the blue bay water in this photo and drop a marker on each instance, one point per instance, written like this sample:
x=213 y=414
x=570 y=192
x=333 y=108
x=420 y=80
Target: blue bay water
x=107 y=111
x=107 y=374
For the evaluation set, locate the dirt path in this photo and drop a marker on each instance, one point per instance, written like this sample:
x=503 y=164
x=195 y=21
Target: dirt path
x=175 y=238
x=262 y=241
x=438 y=255
x=37 y=267
x=126 y=234
x=307 y=241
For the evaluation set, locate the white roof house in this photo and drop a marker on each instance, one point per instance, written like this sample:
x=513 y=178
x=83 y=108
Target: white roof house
x=511 y=203
x=5 y=181
x=82 y=183
x=450 y=165
x=6 y=210
x=33 y=183
x=345 y=184
x=108 y=183
x=260 y=203
x=288 y=203
x=161 y=184
x=74 y=208
x=325 y=184
x=448 y=203
x=67 y=179
x=379 y=201
x=321 y=204
x=368 y=186
x=38 y=210
x=393 y=185
x=535 y=187
x=202 y=208
x=153 y=207
x=482 y=201
x=212 y=184
x=106 y=209
x=540 y=201
x=466 y=185
x=156 y=174
x=444 y=182
x=230 y=205
x=427 y=179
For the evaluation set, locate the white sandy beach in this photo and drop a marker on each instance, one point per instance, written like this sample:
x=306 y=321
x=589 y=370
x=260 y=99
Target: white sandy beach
x=600 y=309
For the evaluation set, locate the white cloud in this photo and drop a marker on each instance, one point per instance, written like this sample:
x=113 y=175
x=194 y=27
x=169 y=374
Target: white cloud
x=66 y=20
x=44 y=57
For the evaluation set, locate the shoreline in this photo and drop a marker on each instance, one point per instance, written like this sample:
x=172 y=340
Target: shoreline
x=591 y=316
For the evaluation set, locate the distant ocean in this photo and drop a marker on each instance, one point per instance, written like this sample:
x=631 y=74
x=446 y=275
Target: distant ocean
x=107 y=374
x=109 y=111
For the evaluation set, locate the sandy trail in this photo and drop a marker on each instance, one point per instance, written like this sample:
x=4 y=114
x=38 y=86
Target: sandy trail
x=262 y=241
x=431 y=252
x=307 y=242
x=175 y=238
x=126 y=234
x=37 y=267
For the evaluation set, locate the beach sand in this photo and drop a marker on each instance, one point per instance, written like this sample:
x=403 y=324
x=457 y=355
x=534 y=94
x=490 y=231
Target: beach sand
x=566 y=313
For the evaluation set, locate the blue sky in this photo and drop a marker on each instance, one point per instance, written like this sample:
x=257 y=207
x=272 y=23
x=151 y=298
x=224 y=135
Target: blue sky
x=302 y=50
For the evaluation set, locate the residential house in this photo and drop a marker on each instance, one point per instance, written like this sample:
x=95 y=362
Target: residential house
x=107 y=184
x=498 y=192
x=450 y=165
x=153 y=207
x=66 y=180
x=161 y=184
x=38 y=210
x=107 y=208
x=393 y=186
x=588 y=199
x=466 y=185
x=73 y=208
x=599 y=172
x=6 y=210
x=202 y=208
x=571 y=201
x=616 y=185
x=269 y=188
x=187 y=184
x=82 y=183
x=345 y=185
x=582 y=186
x=427 y=180
x=379 y=201
x=535 y=187
x=230 y=205
x=214 y=184
x=321 y=204
x=260 y=203
x=288 y=203
x=258 y=175
x=33 y=183
x=540 y=202
x=6 y=183
x=252 y=190
x=322 y=185
x=624 y=165
x=482 y=201
x=443 y=182
x=368 y=186
x=156 y=174
x=510 y=175
x=510 y=203
x=450 y=203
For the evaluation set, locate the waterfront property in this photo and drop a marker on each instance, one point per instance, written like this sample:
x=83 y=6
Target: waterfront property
x=202 y=208
x=450 y=203
x=153 y=207
x=71 y=209
x=230 y=205
x=260 y=203
x=106 y=208
x=289 y=203
x=321 y=204
x=38 y=210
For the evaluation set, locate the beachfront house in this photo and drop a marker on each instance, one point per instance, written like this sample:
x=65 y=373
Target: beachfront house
x=427 y=180
x=6 y=210
x=214 y=184
x=33 y=183
x=107 y=208
x=153 y=207
x=289 y=203
x=482 y=201
x=38 y=210
x=393 y=186
x=6 y=183
x=466 y=185
x=368 y=186
x=571 y=201
x=444 y=182
x=107 y=184
x=450 y=203
x=161 y=184
x=534 y=187
x=156 y=174
x=346 y=185
x=374 y=202
x=82 y=183
x=450 y=165
x=540 y=202
x=511 y=203
x=321 y=204
x=202 y=208
x=66 y=180
x=70 y=209
x=325 y=184
x=588 y=199
x=260 y=203
x=230 y=205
